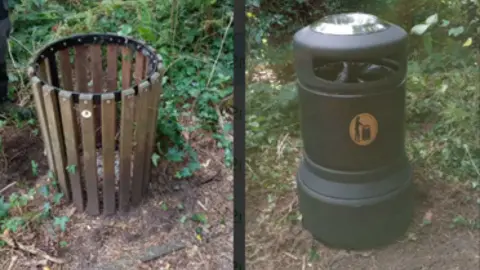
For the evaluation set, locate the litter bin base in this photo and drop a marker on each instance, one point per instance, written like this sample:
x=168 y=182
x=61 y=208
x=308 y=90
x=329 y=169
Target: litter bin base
x=344 y=219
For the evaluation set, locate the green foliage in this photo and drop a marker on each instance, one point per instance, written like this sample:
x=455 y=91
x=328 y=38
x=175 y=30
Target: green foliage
x=194 y=38
x=61 y=222
x=30 y=208
x=200 y=217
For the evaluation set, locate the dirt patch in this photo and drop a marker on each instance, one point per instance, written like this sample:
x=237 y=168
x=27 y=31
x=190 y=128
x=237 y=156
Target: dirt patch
x=182 y=224
x=20 y=147
x=451 y=241
x=164 y=221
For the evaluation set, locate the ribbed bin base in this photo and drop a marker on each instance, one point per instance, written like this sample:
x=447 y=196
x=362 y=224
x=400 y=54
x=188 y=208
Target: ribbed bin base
x=356 y=223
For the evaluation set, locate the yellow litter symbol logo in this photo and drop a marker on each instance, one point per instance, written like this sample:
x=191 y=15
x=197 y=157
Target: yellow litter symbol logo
x=363 y=129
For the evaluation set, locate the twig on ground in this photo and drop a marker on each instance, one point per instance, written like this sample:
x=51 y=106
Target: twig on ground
x=30 y=249
x=12 y=262
x=202 y=206
x=37 y=263
x=159 y=251
x=221 y=123
x=8 y=186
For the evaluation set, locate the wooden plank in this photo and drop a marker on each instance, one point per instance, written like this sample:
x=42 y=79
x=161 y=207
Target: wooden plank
x=140 y=132
x=96 y=67
x=108 y=152
x=66 y=69
x=81 y=65
x=42 y=120
x=112 y=67
x=48 y=73
x=52 y=70
x=126 y=138
x=96 y=70
x=70 y=129
x=152 y=126
x=89 y=152
x=126 y=67
x=56 y=136
x=139 y=73
x=42 y=71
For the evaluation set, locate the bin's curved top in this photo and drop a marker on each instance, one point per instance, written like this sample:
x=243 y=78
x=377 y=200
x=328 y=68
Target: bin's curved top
x=349 y=24
x=350 y=36
x=155 y=67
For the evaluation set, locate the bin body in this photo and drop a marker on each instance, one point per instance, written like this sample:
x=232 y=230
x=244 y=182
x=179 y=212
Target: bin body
x=97 y=98
x=354 y=182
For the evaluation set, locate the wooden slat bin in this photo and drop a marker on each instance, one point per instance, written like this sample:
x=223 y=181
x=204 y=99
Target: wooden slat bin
x=97 y=98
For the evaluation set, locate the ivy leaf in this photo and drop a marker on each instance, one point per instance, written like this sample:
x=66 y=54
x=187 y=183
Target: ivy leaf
x=72 y=168
x=155 y=159
x=199 y=217
x=431 y=20
x=44 y=191
x=57 y=198
x=468 y=42
x=175 y=155
x=34 y=168
x=13 y=223
x=61 y=222
x=456 y=31
x=4 y=207
x=125 y=30
x=419 y=29
x=46 y=208
x=193 y=166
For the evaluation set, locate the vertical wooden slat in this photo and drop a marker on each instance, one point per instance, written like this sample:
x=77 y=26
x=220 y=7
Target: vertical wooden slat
x=42 y=70
x=65 y=69
x=96 y=70
x=96 y=67
x=42 y=120
x=55 y=130
x=108 y=152
x=140 y=132
x=89 y=152
x=112 y=67
x=139 y=67
x=126 y=68
x=81 y=65
x=70 y=131
x=126 y=137
x=47 y=71
x=152 y=126
x=52 y=70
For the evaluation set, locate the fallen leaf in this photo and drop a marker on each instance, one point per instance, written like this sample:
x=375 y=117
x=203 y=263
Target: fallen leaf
x=468 y=42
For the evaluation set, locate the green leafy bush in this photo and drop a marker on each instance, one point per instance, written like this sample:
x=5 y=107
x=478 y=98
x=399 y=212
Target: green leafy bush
x=194 y=38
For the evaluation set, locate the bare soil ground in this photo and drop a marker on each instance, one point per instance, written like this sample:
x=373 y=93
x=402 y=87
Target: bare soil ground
x=449 y=242
x=158 y=235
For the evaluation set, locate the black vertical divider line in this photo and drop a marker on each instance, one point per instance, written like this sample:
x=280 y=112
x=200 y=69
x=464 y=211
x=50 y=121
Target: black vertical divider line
x=239 y=135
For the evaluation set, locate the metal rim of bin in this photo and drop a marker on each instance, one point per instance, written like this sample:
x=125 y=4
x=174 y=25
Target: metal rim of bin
x=58 y=111
x=355 y=23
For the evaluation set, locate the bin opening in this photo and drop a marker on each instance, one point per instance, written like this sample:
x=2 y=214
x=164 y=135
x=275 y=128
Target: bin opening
x=354 y=71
